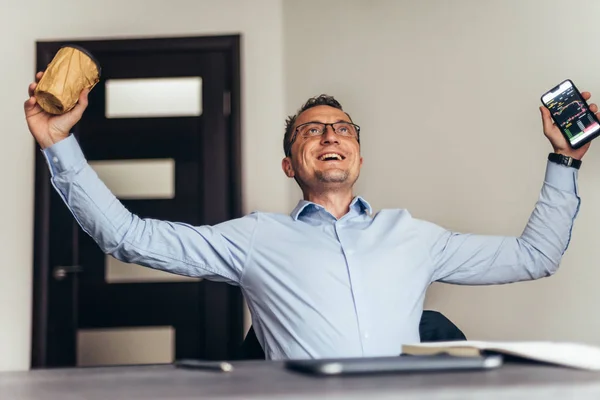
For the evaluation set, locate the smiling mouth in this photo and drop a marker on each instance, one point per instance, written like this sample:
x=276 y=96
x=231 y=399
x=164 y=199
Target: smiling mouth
x=331 y=157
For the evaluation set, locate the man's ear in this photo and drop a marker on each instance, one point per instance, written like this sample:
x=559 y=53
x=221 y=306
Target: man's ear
x=286 y=165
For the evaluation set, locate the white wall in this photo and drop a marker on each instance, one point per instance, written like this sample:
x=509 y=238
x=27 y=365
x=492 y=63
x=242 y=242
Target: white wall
x=22 y=23
x=447 y=94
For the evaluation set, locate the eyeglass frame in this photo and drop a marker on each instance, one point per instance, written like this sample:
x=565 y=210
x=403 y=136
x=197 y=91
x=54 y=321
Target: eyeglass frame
x=288 y=152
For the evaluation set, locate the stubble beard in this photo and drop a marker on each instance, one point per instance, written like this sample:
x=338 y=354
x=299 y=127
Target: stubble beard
x=335 y=176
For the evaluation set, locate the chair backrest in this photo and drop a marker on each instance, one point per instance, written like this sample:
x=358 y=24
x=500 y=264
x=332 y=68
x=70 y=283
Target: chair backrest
x=250 y=348
x=434 y=327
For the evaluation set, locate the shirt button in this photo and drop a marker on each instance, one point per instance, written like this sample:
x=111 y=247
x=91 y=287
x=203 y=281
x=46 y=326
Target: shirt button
x=366 y=335
x=55 y=159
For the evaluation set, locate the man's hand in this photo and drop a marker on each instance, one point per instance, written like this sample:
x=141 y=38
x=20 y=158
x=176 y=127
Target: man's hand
x=558 y=141
x=47 y=128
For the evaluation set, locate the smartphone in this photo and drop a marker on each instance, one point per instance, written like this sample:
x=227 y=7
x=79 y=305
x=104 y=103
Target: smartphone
x=571 y=114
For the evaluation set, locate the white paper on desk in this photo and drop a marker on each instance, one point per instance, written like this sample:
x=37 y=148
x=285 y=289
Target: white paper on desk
x=575 y=355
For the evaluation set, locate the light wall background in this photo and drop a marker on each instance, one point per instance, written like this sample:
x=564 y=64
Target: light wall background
x=446 y=93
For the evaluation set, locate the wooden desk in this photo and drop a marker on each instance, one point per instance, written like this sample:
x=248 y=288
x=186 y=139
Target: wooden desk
x=269 y=380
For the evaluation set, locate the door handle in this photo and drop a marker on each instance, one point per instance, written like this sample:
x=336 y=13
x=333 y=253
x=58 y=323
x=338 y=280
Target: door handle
x=60 y=272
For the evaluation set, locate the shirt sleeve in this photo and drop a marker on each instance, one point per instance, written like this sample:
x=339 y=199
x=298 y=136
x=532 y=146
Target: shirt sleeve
x=480 y=259
x=216 y=252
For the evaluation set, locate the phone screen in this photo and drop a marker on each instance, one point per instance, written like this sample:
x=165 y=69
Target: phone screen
x=570 y=112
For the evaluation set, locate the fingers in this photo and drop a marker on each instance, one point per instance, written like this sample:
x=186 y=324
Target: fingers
x=593 y=108
x=30 y=104
x=33 y=85
x=31 y=88
x=31 y=107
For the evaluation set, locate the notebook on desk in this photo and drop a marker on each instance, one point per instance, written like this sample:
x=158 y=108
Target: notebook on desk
x=574 y=355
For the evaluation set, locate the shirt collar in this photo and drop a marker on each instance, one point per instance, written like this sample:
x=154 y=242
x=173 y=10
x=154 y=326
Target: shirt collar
x=358 y=203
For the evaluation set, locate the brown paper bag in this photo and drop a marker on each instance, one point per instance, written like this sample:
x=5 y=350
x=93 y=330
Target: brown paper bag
x=72 y=69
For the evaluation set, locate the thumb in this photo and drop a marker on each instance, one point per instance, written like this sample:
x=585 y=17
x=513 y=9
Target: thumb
x=547 y=121
x=75 y=114
x=81 y=105
x=30 y=106
x=64 y=123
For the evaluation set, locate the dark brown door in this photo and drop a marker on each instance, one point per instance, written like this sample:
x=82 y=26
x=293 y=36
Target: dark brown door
x=71 y=291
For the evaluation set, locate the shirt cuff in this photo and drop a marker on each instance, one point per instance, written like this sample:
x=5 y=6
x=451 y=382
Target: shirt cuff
x=562 y=177
x=66 y=155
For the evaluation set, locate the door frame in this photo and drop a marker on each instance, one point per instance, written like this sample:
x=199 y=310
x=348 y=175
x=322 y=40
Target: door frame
x=42 y=270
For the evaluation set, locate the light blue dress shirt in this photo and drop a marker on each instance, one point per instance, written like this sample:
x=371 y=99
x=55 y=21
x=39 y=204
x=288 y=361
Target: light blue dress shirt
x=318 y=286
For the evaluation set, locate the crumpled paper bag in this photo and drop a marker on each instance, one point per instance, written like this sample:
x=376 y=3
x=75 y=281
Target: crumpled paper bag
x=71 y=70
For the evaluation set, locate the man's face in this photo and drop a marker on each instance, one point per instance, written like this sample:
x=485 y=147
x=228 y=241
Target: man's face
x=327 y=161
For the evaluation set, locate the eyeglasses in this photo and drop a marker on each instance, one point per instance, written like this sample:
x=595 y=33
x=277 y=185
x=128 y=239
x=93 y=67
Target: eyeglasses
x=313 y=129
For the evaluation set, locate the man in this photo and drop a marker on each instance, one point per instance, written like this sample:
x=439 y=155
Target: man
x=329 y=280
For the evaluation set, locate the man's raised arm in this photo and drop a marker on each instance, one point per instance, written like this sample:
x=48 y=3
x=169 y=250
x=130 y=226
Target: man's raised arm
x=214 y=252
x=478 y=259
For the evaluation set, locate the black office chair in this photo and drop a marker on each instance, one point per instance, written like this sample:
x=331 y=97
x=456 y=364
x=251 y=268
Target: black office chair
x=433 y=327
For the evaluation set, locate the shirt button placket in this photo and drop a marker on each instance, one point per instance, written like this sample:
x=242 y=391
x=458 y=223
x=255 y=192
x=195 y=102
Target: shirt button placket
x=355 y=284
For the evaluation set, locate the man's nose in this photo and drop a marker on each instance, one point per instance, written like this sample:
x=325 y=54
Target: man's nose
x=329 y=136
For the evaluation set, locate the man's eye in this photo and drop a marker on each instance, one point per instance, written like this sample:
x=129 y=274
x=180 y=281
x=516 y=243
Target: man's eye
x=314 y=131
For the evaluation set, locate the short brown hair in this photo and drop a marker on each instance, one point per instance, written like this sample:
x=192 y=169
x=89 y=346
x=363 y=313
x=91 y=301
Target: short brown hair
x=321 y=100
